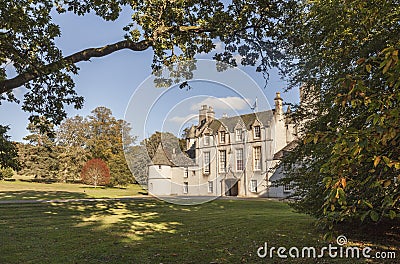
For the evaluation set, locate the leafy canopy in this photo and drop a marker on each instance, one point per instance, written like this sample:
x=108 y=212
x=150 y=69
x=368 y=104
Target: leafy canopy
x=174 y=30
x=346 y=166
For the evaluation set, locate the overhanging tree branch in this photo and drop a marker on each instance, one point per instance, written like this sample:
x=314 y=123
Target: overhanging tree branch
x=84 y=55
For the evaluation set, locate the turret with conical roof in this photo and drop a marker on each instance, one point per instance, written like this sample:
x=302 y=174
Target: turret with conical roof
x=161 y=158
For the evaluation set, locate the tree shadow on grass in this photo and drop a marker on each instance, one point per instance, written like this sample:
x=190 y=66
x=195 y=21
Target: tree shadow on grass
x=39 y=195
x=385 y=234
x=151 y=231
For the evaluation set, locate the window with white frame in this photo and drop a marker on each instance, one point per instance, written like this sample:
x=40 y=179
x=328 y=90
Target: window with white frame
x=185 y=187
x=239 y=135
x=287 y=187
x=257 y=158
x=206 y=140
x=210 y=187
x=253 y=186
x=239 y=160
x=207 y=165
x=257 y=132
x=222 y=137
x=186 y=173
x=222 y=160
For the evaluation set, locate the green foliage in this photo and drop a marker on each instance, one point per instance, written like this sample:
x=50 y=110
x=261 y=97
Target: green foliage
x=138 y=160
x=39 y=162
x=121 y=175
x=168 y=140
x=71 y=160
x=97 y=136
x=6 y=173
x=8 y=150
x=39 y=158
x=27 y=37
x=174 y=30
x=347 y=165
x=105 y=140
x=77 y=140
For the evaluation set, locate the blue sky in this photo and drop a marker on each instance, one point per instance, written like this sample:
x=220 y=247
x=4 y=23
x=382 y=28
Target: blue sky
x=112 y=80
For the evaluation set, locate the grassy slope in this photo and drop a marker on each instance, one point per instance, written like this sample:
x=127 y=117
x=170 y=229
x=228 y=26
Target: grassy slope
x=150 y=231
x=20 y=190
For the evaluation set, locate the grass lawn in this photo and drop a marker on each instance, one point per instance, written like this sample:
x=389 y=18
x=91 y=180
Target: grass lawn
x=23 y=190
x=145 y=230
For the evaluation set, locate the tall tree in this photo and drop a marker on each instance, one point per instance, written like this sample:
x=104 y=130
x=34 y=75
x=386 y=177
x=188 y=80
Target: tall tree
x=39 y=157
x=345 y=53
x=99 y=135
x=71 y=160
x=8 y=150
x=104 y=138
x=71 y=138
x=72 y=132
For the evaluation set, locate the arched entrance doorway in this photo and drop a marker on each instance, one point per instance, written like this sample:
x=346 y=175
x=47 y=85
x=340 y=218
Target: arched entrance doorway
x=231 y=187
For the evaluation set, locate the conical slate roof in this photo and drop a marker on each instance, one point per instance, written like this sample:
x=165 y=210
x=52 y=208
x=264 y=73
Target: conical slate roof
x=161 y=158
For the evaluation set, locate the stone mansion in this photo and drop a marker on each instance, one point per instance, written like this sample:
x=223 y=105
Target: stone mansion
x=230 y=156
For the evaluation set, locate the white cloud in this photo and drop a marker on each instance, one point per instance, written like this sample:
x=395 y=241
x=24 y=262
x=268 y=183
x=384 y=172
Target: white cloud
x=183 y=119
x=226 y=103
x=219 y=46
x=238 y=59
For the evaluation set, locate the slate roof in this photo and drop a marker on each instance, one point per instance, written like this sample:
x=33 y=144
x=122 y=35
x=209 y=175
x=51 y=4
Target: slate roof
x=191 y=132
x=264 y=117
x=289 y=147
x=165 y=156
x=230 y=123
x=161 y=158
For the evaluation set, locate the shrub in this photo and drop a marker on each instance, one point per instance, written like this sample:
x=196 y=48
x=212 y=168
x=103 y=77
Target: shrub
x=6 y=173
x=95 y=172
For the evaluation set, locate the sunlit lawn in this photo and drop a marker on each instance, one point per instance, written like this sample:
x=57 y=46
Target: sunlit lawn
x=146 y=230
x=23 y=190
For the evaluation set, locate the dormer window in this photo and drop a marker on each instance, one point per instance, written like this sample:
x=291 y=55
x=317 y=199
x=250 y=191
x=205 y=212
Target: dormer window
x=257 y=132
x=222 y=137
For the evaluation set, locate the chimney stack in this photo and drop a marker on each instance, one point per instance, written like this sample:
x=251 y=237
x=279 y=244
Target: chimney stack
x=203 y=114
x=278 y=103
x=210 y=114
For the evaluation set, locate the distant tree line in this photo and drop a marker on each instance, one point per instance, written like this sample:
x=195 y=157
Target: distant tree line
x=76 y=141
x=79 y=141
